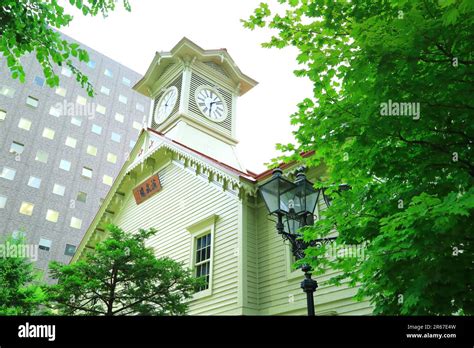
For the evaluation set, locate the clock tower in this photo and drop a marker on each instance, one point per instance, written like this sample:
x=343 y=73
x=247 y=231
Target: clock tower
x=194 y=93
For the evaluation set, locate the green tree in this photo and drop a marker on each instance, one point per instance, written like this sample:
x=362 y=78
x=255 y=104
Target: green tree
x=120 y=277
x=20 y=287
x=28 y=26
x=411 y=174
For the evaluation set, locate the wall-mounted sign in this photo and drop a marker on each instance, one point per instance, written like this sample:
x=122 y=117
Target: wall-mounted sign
x=147 y=189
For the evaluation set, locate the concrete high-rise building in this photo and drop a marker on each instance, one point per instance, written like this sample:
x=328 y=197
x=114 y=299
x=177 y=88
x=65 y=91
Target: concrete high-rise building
x=60 y=150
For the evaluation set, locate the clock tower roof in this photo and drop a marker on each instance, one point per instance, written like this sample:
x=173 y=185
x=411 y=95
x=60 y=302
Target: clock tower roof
x=185 y=52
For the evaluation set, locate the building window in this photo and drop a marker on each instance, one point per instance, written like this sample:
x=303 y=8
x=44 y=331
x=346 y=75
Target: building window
x=137 y=125
x=59 y=189
x=34 y=182
x=26 y=208
x=7 y=91
x=119 y=117
x=66 y=71
x=91 y=64
x=123 y=99
x=31 y=101
x=91 y=150
x=76 y=121
x=3 y=202
x=41 y=156
x=48 y=133
x=126 y=81
x=56 y=112
x=100 y=109
x=81 y=197
x=108 y=73
x=111 y=158
x=17 y=234
x=105 y=90
x=87 y=172
x=45 y=244
x=202 y=262
x=76 y=223
x=140 y=107
x=70 y=250
x=65 y=165
x=52 y=215
x=61 y=91
x=115 y=137
x=17 y=148
x=96 y=129
x=108 y=180
x=39 y=81
x=8 y=173
x=3 y=115
x=81 y=100
x=71 y=142
x=132 y=143
x=24 y=124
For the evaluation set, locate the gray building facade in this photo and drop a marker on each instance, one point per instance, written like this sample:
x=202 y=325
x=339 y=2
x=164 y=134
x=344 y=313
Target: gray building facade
x=60 y=150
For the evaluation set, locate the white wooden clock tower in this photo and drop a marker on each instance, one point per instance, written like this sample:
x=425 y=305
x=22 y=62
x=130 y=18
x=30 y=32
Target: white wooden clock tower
x=194 y=93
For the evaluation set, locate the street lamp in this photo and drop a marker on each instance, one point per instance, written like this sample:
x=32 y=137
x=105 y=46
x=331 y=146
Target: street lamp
x=293 y=204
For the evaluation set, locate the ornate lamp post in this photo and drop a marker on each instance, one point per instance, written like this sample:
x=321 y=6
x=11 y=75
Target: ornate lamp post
x=293 y=204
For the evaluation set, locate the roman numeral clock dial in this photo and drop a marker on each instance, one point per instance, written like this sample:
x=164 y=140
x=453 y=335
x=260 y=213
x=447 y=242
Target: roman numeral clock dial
x=166 y=105
x=211 y=104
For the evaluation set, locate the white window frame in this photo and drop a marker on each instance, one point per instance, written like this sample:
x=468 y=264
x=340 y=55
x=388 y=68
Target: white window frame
x=196 y=230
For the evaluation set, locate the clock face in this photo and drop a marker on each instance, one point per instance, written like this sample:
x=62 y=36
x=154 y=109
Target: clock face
x=211 y=104
x=166 y=104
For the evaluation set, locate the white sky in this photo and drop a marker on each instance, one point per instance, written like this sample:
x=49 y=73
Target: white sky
x=156 y=25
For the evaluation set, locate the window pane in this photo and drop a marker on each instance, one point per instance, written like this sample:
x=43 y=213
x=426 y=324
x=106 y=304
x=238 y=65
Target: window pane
x=8 y=173
x=65 y=165
x=137 y=125
x=108 y=180
x=70 y=250
x=91 y=64
x=87 y=172
x=123 y=99
x=81 y=100
x=24 y=124
x=56 y=112
x=111 y=158
x=45 y=244
x=59 y=189
x=100 y=109
x=140 y=107
x=34 y=182
x=26 y=208
x=3 y=202
x=119 y=117
x=52 y=215
x=81 y=197
x=39 y=81
x=17 y=148
x=105 y=90
x=126 y=81
x=115 y=137
x=3 y=114
x=71 y=142
x=66 y=71
x=91 y=150
x=75 y=223
x=76 y=121
x=41 y=156
x=96 y=129
x=7 y=91
x=108 y=73
x=31 y=101
x=61 y=91
x=48 y=133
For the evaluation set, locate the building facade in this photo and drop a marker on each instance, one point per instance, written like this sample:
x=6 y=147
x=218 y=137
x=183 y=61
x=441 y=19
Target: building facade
x=61 y=150
x=184 y=179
